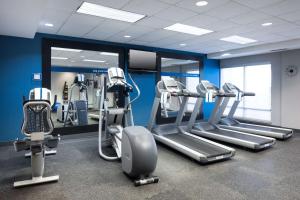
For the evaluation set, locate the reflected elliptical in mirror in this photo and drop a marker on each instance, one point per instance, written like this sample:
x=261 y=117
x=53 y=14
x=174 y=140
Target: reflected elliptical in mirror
x=74 y=84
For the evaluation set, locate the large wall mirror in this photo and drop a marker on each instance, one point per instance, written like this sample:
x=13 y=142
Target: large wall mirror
x=187 y=71
x=72 y=71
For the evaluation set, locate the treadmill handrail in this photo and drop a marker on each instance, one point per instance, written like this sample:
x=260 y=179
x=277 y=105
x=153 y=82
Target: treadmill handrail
x=186 y=94
x=225 y=95
x=248 y=94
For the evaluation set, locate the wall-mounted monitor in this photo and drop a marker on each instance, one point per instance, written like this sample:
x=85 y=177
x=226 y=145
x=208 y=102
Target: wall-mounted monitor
x=142 y=60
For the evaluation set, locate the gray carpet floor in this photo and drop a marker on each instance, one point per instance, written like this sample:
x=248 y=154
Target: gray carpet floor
x=270 y=174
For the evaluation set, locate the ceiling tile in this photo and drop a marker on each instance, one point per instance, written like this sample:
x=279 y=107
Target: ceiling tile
x=200 y=20
x=170 y=1
x=228 y=10
x=154 y=22
x=64 y=5
x=220 y=25
x=107 y=29
x=55 y=17
x=145 y=7
x=293 y=33
x=292 y=16
x=175 y=14
x=191 y=5
x=20 y=18
x=133 y=31
x=155 y=35
x=247 y=18
x=283 y=7
x=258 y=3
x=79 y=24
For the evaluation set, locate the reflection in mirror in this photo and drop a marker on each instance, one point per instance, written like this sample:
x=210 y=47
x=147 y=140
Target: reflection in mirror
x=75 y=84
x=187 y=73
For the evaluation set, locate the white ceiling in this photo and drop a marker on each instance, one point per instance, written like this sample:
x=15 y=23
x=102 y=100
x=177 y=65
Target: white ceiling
x=225 y=17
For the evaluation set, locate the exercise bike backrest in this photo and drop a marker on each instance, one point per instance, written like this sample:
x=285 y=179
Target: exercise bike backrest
x=37 y=113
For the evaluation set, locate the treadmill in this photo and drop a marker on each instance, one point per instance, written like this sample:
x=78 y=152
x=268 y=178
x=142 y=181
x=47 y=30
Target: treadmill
x=230 y=123
x=209 y=129
x=175 y=137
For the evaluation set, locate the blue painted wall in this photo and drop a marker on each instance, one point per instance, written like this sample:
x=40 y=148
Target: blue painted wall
x=20 y=58
x=211 y=73
x=142 y=106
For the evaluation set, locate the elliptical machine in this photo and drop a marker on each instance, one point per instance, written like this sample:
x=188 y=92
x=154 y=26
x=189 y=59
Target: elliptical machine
x=134 y=145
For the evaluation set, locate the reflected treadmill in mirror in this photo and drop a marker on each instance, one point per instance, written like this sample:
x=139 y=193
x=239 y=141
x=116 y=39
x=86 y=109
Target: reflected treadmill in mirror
x=185 y=72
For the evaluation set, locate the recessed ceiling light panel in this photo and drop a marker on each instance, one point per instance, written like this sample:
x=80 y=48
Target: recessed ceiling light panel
x=127 y=36
x=193 y=30
x=238 y=39
x=96 y=61
x=49 y=24
x=110 y=13
x=267 y=24
x=109 y=54
x=201 y=3
x=182 y=44
x=225 y=54
x=65 y=49
x=59 y=58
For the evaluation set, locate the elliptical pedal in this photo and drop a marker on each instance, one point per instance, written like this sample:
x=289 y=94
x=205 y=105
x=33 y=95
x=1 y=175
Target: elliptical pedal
x=145 y=181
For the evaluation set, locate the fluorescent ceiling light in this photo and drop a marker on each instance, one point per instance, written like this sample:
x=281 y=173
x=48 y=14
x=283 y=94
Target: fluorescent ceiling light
x=188 y=29
x=201 y=3
x=110 y=13
x=225 y=54
x=98 y=61
x=238 y=39
x=127 y=36
x=182 y=44
x=109 y=54
x=267 y=24
x=59 y=58
x=65 y=49
x=49 y=24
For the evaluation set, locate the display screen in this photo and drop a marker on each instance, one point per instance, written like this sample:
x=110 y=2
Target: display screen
x=142 y=60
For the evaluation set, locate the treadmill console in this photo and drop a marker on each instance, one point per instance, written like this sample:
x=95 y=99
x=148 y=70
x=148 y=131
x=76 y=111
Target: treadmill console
x=209 y=87
x=171 y=85
x=229 y=87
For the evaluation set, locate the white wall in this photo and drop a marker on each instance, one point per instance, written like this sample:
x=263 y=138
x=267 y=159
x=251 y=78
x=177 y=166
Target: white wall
x=290 y=95
x=285 y=111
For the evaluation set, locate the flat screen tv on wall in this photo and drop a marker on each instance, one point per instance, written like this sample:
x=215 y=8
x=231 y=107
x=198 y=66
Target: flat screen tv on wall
x=142 y=60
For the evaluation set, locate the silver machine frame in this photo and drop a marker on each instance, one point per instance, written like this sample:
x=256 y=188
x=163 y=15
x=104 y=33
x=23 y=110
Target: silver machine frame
x=206 y=128
x=116 y=121
x=39 y=140
x=160 y=131
x=229 y=122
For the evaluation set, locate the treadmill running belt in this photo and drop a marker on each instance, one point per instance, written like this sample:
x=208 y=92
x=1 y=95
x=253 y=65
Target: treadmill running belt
x=270 y=129
x=250 y=138
x=209 y=150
